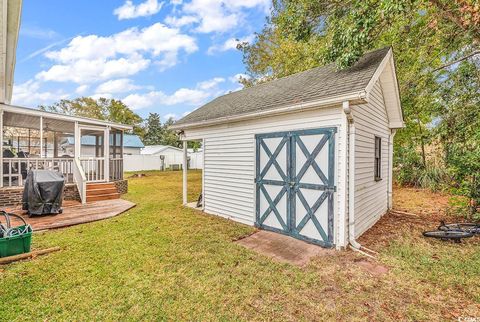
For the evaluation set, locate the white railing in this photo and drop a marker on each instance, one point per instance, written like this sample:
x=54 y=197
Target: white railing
x=94 y=168
x=80 y=179
x=116 y=169
x=15 y=169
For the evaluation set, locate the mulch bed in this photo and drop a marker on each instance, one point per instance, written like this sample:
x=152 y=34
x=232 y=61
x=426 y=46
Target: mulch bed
x=428 y=210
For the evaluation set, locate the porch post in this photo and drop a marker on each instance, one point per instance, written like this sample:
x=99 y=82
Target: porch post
x=184 y=167
x=106 y=153
x=1 y=147
x=77 y=141
x=41 y=136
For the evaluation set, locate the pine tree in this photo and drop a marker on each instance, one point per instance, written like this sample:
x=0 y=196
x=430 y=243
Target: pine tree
x=153 y=130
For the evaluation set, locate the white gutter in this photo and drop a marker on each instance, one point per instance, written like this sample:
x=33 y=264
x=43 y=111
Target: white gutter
x=351 y=183
x=58 y=116
x=361 y=95
x=14 y=11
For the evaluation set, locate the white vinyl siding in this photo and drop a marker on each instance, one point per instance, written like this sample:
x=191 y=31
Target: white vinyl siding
x=229 y=165
x=371 y=197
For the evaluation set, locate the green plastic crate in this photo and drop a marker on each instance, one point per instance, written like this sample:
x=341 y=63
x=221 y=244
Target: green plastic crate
x=15 y=245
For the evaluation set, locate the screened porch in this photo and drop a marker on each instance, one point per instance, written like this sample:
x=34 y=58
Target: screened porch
x=84 y=150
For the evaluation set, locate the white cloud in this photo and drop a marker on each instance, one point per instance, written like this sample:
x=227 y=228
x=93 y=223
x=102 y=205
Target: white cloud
x=44 y=49
x=82 y=89
x=180 y=22
x=182 y=96
x=85 y=71
x=229 y=44
x=236 y=78
x=186 y=96
x=94 y=58
x=29 y=94
x=220 y=15
x=208 y=84
x=121 y=85
x=170 y=116
x=129 y=11
x=96 y=96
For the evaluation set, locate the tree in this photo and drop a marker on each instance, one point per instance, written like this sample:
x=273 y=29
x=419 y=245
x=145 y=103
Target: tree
x=459 y=129
x=426 y=36
x=169 y=136
x=104 y=109
x=153 y=130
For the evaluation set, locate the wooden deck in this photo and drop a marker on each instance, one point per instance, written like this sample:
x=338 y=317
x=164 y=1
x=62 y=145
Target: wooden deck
x=75 y=213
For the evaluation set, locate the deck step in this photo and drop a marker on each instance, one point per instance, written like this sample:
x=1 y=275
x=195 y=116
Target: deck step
x=102 y=191
x=103 y=197
x=99 y=191
x=101 y=185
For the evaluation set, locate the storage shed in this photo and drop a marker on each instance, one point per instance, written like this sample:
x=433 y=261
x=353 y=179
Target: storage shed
x=308 y=155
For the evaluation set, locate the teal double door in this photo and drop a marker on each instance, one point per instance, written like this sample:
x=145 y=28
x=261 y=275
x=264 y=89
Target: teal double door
x=295 y=183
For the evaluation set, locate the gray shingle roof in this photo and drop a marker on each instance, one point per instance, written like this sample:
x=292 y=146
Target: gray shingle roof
x=310 y=85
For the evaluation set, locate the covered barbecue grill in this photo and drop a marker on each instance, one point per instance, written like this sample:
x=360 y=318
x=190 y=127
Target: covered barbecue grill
x=43 y=192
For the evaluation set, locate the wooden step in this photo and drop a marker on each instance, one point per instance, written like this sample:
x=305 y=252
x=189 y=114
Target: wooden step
x=100 y=185
x=108 y=196
x=102 y=191
x=98 y=191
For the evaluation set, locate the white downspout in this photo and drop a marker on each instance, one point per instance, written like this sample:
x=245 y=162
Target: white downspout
x=390 y=169
x=351 y=182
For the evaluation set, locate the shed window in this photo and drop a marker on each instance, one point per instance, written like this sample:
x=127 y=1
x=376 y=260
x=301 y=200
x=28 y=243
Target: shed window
x=378 y=159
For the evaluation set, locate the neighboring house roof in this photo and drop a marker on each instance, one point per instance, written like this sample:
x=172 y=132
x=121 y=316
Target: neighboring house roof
x=132 y=141
x=129 y=141
x=154 y=149
x=321 y=83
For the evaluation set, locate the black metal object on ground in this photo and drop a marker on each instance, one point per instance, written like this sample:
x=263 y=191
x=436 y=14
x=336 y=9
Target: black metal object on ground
x=454 y=232
x=200 y=201
x=43 y=192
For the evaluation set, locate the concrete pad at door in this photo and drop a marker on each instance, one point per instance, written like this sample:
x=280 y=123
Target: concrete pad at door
x=283 y=248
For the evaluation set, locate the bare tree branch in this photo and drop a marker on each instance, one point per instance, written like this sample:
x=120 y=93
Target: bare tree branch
x=457 y=61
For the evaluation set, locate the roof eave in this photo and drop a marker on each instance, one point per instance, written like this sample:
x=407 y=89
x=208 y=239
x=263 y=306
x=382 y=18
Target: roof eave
x=355 y=96
x=30 y=111
x=376 y=77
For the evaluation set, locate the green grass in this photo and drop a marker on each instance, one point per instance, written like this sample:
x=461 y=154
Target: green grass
x=160 y=261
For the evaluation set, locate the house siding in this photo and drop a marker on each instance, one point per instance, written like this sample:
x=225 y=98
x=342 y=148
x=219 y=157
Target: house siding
x=371 y=197
x=229 y=159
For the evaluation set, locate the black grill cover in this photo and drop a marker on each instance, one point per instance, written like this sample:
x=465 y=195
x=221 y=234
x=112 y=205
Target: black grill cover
x=43 y=192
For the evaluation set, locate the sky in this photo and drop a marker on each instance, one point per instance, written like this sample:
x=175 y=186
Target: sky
x=168 y=57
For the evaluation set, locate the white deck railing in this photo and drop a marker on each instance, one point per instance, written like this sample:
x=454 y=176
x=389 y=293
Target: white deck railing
x=94 y=168
x=80 y=179
x=15 y=169
x=116 y=169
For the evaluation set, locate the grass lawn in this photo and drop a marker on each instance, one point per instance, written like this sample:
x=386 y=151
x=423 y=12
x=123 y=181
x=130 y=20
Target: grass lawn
x=160 y=261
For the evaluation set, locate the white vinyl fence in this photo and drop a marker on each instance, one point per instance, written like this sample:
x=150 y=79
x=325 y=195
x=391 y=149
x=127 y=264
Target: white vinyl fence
x=196 y=160
x=141 y=162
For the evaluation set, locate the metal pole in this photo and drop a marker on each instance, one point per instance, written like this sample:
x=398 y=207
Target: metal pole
x=184 y=166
